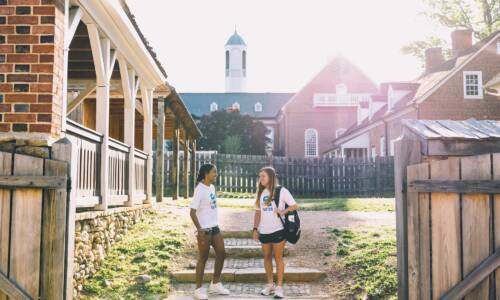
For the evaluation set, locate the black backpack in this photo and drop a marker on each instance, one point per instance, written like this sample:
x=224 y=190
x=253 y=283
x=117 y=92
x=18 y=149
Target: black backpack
x=291 y=222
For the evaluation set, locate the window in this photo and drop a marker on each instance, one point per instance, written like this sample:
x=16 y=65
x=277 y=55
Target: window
x=374 y=152
x=473 y=85
x=391 y=150
x=214 y=106
x=244 y=60
x=339 y=132
x=325 y=100
x=311 y=142
x=227 y=60
x=236 y=106
x=498 y=47
x=258 y=107
x=270 y=136
x=382 y=146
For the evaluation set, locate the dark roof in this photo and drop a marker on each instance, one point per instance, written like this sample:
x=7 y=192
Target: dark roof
x=471 y=129
x=199 y=103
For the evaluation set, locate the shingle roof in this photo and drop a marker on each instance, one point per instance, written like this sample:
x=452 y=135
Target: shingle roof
x=199 y=103
x=470 y=129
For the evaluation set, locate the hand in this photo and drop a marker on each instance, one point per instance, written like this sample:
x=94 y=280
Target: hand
x=282 y=212
x=255 y=235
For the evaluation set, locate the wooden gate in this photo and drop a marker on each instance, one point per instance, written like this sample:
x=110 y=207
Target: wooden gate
x=32 y=227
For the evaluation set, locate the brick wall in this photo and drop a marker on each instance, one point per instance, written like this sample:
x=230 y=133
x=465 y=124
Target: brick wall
x=31 y=68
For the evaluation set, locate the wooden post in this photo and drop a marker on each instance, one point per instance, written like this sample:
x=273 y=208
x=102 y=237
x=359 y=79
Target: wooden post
x=130 y=87
x=193 y=163
x=147 y=103
x=160 y=147
x=101 y=54
x=66 y=150
x=175 y=161
x=407 y=152
x=186 y=167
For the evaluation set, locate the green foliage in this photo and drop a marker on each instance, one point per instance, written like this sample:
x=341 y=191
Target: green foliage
x=371 y=257
x=240 y=134
x=481 y=16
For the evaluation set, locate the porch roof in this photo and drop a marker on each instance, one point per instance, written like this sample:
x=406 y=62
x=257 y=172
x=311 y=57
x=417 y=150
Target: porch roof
x=470 y=129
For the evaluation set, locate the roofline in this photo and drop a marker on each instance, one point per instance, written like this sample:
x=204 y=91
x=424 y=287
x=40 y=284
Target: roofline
x=111 y=18
x=457 y=69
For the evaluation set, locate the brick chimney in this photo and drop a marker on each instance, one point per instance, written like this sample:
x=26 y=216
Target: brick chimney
x=433 y=58
x=31 y=69
x=460 y=39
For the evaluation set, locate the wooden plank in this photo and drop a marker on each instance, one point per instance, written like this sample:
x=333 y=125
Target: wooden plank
x=160 y=150
x=12 y=290
x=418 y=237
x=455 y=186
x=175 y=163
x=476 y=222
x=49 y=182
x=478 y=275
x=26 y=228
x=407 y=152
x=54 y=235
x=445 y=230
x=5 y=169
x=496 y=221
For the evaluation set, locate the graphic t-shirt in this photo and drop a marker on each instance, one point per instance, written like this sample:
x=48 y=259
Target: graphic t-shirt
x=205 y=203
x=269 y=221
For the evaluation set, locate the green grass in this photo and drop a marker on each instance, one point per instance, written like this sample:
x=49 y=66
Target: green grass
x=332 y=204
x=369 y=255
x=146 y=249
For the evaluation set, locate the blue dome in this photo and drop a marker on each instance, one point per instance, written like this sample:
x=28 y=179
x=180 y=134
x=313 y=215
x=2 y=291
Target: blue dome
x=235 y=39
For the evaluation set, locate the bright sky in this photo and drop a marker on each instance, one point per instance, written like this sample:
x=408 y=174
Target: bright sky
x=289 y=41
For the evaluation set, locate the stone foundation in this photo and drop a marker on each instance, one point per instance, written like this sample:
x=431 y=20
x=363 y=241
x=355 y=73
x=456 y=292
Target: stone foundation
x=95 y=233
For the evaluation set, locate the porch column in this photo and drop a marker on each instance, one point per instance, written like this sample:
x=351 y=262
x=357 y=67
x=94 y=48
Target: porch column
x=186 y=166
x=175 y=161
x=102 y=56
x=130 y=87
x=147 y=106
x=160 y=155
x=193 y=162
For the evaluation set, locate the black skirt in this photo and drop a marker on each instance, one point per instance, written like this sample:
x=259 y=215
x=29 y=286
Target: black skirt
x=275 y=237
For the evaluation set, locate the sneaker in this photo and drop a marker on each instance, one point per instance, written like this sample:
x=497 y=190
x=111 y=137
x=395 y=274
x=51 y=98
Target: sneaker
x=218 y=288
x=268 y=290
x=278 y=293
x=200 y=294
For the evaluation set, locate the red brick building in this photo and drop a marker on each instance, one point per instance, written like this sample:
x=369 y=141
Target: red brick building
x=451 y=89
x=324 y=108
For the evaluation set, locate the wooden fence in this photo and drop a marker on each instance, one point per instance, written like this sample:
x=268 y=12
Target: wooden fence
x=318 y=177
x=33 y=222
x=453 y=209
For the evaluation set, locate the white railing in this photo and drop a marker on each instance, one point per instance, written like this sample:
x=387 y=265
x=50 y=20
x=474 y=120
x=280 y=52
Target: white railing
x=325 y=100
x=118 y=172
x=140 y=162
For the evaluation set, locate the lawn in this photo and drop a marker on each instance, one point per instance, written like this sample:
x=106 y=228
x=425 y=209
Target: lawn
x=368 y=255
x=333 y=204
x=145 y=252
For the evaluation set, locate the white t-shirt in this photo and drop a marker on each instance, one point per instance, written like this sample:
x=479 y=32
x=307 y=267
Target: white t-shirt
x=205 y=203
x=269 y=221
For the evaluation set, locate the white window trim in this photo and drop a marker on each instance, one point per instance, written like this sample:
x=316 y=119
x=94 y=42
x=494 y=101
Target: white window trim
x=479 y=87
x=305 y=142
x=258 y=107
x=213 y=107
x=235 y=105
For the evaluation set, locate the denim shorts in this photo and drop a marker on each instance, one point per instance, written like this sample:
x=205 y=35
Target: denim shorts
x=275 y=237
x=212 y=230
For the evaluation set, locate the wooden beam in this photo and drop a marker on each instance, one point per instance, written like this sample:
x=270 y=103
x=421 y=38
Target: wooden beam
x=185 y=176
x=46 y=182
x=79 y=99
x=193 y=163
x=98 y=54
x=175 y=162
x=11 y=289
x=160 y=155
x=456 y=186
x=147 y=105
x=74 y=17
x=474 y=278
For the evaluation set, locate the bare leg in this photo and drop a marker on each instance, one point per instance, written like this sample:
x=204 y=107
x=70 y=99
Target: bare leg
x=278 y=249
x=203 y=250
x=220 y=255
x=268 y=262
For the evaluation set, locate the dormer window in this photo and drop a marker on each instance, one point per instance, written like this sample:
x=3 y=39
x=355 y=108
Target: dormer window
x=213 y=107
x=473 y=85
x=235 y=106
x=341 y=89
x=258 y=107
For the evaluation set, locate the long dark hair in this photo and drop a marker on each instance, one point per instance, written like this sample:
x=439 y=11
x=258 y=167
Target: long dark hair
x=273 y=182
x=203 y=171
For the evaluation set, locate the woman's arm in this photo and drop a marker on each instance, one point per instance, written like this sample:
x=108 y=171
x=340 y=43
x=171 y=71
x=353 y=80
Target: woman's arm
x=256 y=222
x=192 y=213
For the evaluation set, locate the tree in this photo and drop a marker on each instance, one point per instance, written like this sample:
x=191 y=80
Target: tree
x=480 y=16
x=223 y=131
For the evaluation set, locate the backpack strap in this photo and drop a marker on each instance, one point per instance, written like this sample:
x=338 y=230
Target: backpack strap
x=276 y=198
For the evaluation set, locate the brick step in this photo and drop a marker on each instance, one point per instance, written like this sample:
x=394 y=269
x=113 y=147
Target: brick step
x=252 y=291
x=242 y=234
x=238 y=247
x=254 y=274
